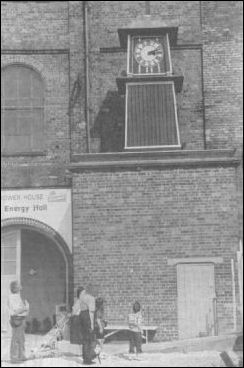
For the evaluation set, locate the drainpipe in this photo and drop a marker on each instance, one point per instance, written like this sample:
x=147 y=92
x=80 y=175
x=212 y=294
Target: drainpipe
x=233 y=294
x=240 y=276
x=202 y=80
x=86 y=46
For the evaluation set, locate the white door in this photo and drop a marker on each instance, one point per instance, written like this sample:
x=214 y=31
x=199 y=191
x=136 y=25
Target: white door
x=10 y=269
x=196 y=293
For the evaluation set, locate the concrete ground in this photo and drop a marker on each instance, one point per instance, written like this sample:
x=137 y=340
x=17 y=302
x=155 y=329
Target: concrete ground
x=204 y=352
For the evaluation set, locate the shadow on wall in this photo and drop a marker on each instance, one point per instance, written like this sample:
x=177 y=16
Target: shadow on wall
x=109 y=123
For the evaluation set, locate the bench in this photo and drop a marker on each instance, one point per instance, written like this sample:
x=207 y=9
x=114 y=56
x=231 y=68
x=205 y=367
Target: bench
x=116 y=328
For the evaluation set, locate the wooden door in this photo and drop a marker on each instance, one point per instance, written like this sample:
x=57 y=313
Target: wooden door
x=196 y=293
x=10 y=269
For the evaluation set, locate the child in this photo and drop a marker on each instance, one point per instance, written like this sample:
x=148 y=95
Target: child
x=135 y=322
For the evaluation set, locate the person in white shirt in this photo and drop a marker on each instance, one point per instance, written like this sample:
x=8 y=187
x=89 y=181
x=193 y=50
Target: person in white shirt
x=135 y=325
x=18 y=310
x=87 y=307
x=76 y=336
x=82 y=326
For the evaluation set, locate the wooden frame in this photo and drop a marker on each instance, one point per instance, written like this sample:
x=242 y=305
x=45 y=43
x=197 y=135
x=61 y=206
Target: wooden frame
x=31 y=109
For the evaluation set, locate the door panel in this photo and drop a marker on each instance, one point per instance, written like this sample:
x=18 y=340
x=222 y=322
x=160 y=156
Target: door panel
x=10 y=269
x=196 y=291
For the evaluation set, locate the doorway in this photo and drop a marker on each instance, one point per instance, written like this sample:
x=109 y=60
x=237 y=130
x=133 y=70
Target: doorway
x=196 y=298
x=40 y=264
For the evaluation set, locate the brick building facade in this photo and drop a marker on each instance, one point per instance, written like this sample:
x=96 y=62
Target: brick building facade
x=140 y=221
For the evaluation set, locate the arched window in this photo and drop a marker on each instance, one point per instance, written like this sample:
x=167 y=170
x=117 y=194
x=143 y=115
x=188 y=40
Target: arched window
x=22 y=110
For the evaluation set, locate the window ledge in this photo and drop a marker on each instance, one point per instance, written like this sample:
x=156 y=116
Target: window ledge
x=175 y=261
x=28 y=154
x=153 y=159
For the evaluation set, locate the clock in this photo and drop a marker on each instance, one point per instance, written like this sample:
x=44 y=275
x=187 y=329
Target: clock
x=149 y=55
x=148 y=52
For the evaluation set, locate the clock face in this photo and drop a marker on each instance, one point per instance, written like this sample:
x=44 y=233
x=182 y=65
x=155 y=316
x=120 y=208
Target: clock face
x=148 y=52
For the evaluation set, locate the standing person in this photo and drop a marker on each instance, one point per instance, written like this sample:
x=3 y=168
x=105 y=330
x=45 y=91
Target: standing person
x=135 y=322
x=100 y=323
x=18 y=310
x=76 y=336
x=87 y=310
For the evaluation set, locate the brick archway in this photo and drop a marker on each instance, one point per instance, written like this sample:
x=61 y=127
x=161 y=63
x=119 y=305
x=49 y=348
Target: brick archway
x=53 y=235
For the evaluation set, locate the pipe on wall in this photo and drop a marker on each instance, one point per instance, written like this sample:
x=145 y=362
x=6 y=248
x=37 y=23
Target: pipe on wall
x=87 y=82
x=240 y=276
x=233 y=294
x=202 y=79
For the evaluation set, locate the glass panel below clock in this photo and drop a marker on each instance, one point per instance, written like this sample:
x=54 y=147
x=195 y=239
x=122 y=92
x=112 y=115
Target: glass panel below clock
x=151 y=116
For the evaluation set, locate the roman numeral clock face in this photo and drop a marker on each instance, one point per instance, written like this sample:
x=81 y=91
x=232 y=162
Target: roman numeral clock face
x=148 y=54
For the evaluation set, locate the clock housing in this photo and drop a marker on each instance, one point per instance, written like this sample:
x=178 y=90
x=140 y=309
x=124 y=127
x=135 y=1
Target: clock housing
x=149 y=55
x=149 y=87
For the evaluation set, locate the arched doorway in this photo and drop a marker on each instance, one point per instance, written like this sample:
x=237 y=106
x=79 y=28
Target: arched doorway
x=37 y=257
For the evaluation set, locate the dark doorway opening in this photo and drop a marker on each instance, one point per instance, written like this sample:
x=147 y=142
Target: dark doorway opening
x=43 y=278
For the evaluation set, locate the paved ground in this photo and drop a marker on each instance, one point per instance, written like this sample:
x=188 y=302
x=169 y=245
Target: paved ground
x=175 y=354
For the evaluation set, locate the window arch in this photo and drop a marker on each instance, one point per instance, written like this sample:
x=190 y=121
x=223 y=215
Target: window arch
x=22 y=109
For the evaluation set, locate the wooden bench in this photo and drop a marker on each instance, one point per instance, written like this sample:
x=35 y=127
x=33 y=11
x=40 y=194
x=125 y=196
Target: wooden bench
x=117 y=328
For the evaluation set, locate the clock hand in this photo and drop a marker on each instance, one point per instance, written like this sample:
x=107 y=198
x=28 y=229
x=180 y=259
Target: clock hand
x=154 y=52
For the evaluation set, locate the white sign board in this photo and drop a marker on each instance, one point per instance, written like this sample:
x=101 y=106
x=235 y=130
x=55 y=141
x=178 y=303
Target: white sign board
x=49 y=206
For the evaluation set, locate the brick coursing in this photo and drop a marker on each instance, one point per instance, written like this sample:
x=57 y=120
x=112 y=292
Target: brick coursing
x=34 y=24
x=222 y=57
x=127 y=224
x=47 y=37
x=107 y=108
x=58 y=26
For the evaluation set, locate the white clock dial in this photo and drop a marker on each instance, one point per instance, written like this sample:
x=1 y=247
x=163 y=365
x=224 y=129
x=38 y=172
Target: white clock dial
x=148 y=52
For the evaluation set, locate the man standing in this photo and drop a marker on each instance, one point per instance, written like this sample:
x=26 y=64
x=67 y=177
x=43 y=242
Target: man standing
x=18 y=310
x=87 y=310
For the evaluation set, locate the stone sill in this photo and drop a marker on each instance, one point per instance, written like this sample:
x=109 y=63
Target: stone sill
x=153 y=159
x=21 y=154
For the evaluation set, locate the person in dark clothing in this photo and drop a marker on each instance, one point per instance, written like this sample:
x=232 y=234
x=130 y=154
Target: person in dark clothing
x=88 y=338
x=82 y=324
x=87 y=305
x=76 y=336
x=100 y=323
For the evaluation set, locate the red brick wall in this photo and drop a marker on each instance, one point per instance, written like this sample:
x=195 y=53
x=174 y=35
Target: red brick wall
x=39 y=24
x=54 y=71
x=127 y=224
x=218 y=25
x=107 y=107
x=59 y=25
x=107 y=16
x=77 y=73
x=47 y=36
x=222 y=50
